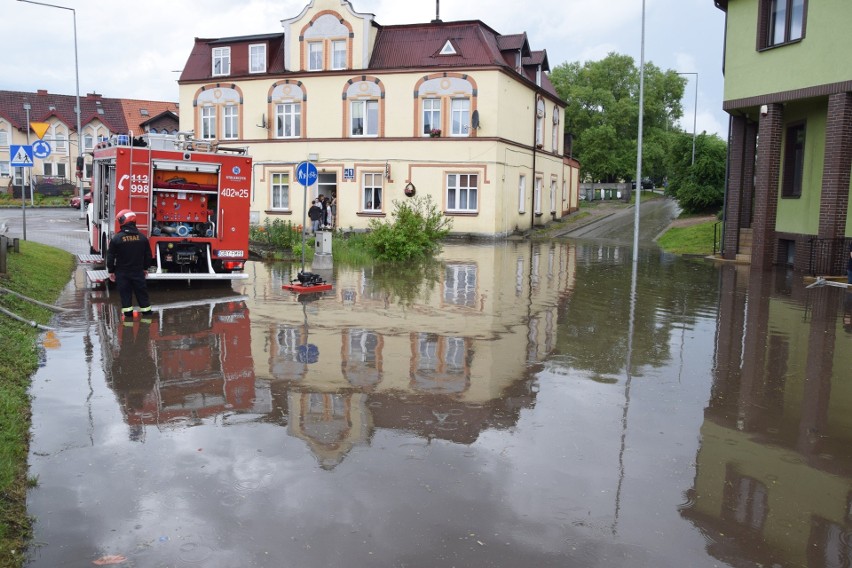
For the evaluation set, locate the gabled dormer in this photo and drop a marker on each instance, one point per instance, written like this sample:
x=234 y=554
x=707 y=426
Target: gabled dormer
x=514 y=48
x=328 y=35
x=232 y=57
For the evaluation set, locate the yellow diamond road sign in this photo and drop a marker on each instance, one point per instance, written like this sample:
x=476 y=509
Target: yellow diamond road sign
x=39 y=128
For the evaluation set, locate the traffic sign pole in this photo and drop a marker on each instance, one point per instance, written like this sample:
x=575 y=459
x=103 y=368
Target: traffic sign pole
x=306 y=172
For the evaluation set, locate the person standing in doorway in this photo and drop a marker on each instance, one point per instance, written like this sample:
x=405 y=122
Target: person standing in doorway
x=314 y=214
x=332 y=211
x=324 y=205
x=128 y=259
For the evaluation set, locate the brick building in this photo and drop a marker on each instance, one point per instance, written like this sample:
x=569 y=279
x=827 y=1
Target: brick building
x=788 y=90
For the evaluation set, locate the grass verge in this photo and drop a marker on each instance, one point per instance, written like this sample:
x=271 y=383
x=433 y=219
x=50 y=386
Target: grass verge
x=691 y=239
x=39 y=272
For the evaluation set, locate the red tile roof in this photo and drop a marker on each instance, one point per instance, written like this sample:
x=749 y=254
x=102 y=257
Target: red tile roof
x=199 y=64
x=46 y=105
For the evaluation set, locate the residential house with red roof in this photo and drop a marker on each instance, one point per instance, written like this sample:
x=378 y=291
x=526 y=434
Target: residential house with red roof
x=451 y=110
x=100 y=117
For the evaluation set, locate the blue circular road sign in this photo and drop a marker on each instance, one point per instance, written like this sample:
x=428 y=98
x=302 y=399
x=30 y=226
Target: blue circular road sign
x=306 y=173
x=41 y=149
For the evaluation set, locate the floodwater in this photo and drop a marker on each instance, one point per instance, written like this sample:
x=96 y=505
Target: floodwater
x=514 y=406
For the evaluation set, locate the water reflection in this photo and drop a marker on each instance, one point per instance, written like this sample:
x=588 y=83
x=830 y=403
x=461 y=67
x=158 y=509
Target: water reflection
x=773 y=472
x=471 y=412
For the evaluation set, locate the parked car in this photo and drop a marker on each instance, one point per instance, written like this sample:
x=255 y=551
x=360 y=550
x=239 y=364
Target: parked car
x=647 y=183
x=74 y=202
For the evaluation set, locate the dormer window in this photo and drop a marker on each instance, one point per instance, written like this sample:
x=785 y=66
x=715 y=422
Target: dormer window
x=143 y=111
x=448 y=49
x=257 y=58
x=221 y=61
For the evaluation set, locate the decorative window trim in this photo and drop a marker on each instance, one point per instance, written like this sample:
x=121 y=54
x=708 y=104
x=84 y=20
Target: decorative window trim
x=363 y=203
x=457 y=208
x=310 y=60
x=285 y=185
x=295 y=116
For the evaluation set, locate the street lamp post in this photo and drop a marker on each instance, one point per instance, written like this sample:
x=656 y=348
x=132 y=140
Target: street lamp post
x=77 y=109
x=694 y=114
x=27 y=108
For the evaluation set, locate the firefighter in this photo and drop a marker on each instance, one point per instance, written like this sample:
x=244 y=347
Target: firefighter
x=128 y=259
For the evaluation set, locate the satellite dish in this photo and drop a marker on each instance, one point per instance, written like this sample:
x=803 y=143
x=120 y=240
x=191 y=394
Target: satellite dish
x=474 y=119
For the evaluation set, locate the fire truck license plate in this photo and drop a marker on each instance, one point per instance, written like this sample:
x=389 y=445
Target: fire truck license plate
x=231 y=253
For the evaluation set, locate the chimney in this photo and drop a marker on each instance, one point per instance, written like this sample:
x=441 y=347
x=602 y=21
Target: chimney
x=92 y=96
x=42 y=91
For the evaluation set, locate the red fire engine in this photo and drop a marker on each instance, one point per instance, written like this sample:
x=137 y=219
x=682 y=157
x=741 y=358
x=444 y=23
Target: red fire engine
x=191 y=198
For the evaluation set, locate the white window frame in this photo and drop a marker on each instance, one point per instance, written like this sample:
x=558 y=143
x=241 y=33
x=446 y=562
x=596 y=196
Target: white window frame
x=539 y=123
x=279 y=191
x=556 y=121
x=463 y=192
x=537 y=196
x=88 y=141
x=368 y=130
x=59 y=139
x=257 y=58
x=316 y=51
x=460 y=284
x=372 y=184
x=4 y=137
x=553 y=196
x=522 y=193
x=208 y=122
x=288 y=117
x=5 y=168
x=431 y=108
x=222 y=60
x=230 y=122
x=460 y=117
x=338 y=56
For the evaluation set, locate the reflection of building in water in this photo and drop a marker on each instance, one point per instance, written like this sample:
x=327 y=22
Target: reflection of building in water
x=444 y=348
x=774 y=473
x=186 y=363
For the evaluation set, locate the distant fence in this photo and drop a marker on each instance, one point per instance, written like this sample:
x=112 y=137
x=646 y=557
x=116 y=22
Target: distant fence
x=828 y=256
x=604 y=191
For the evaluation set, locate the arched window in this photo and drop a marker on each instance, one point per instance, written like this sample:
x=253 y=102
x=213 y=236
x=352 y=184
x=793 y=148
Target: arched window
x=555 y=135
x=539 y=123
x=364 y=99
x=447 y=102
x=219 y=112
x=286 y=109
x=326 y=43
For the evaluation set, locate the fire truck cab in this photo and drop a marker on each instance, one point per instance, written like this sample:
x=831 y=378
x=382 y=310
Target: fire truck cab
x=191 y=199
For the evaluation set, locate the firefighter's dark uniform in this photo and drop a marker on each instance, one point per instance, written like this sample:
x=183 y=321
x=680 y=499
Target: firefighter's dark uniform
x=129 y=257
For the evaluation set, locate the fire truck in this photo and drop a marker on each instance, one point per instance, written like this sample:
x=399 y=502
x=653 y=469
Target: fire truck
x=191 y=199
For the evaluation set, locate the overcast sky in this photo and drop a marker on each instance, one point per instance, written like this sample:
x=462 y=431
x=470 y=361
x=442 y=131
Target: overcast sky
x=136 y=48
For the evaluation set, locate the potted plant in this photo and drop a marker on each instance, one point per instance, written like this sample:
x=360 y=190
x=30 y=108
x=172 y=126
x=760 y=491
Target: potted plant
x=435 y=133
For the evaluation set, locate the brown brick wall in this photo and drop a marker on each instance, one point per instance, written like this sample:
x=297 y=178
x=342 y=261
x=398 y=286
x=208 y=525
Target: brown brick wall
x=733 y=200
x=770 y=128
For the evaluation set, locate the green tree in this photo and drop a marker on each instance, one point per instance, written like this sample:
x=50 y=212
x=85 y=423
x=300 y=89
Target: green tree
x=698 y=187
x=603 y=115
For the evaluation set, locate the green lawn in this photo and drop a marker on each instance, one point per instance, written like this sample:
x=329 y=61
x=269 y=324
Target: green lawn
x=692 y=239
x=39 y=272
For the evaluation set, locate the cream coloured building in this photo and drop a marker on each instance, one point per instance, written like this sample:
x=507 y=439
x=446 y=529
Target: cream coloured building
x=450 y=110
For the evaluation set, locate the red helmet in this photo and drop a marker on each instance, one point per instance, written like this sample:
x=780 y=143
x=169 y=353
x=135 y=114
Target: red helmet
x=125 y=216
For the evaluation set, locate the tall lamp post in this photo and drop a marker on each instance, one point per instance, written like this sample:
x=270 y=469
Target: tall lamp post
x=694 y=114
x=27 y=108
x=77 y=110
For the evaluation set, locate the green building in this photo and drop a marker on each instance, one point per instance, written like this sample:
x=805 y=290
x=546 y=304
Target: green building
x=788 y=90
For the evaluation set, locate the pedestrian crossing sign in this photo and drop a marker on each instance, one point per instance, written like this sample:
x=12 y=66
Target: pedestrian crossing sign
x=22 y=156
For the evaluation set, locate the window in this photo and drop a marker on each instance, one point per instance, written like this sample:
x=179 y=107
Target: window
x=18 y=178
x=5 y=168
x=794 y=161
x=553 y=196
x=781 y=21
x=4 y=137
x=522 y=193
x=338 y=54
x=208 y=122
x=537 y=196
x=88 y=141
x=257 y=58
x=221 y=61
x=280 y=191
x=230 y=123
x=315 y=56
x=460 y=117
x=54 y=169
x=288 y=120
x=365 y=118
x=555 y=135
x=462 y=192
x=372 y=192
x=431 y=116
x=539 y=124
x=60 y=142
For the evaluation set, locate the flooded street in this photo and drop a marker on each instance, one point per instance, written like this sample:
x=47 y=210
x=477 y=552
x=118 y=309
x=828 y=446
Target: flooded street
x=510 y=407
